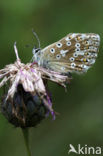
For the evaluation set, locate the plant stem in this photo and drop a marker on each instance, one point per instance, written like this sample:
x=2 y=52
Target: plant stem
x=26 y=140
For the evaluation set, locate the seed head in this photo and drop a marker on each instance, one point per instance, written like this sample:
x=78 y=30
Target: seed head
x=27 y=102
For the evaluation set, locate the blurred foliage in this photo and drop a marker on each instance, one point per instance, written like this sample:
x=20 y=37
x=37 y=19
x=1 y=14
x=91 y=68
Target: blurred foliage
x=81 y=107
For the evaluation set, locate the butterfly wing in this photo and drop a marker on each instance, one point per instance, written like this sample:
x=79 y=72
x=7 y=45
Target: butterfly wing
x=73 y=53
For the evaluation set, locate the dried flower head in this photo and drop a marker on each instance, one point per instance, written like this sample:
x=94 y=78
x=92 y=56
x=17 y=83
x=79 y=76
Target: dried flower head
x=27 y=101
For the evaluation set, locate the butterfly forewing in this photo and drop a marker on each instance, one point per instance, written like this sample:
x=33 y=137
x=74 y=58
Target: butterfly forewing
x=73 y=53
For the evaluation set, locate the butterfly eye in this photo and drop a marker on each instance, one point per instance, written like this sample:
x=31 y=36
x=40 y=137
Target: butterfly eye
x=35 y=50
x=59 y=45
x=52 y=50
x=69 y=43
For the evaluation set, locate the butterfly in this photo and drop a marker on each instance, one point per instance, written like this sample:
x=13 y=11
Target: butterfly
x=76 y=52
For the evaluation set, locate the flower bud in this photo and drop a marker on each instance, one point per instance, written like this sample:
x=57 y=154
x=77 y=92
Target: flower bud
x=24 y=109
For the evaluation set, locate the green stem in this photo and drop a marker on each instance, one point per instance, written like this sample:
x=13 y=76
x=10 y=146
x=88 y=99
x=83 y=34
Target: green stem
x=26 y=140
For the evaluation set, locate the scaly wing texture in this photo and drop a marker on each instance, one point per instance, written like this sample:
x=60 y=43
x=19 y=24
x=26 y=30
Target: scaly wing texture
x=74 y=53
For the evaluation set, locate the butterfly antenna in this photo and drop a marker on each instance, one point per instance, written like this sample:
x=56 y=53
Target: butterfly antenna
x=34 y=33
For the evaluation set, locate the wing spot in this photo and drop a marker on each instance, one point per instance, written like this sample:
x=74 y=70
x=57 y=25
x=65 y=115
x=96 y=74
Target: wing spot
x=96 y=37
x=52 y=50
x=77 y=45
x=59 y=45
x=75 y=55
x=74 y=35
x=73 y=65
x=63 y=68
x=83 y=36
x=76 y=39
x=92 y=61
x=68 y=43
x=58 y=57
x=93 y=48
x=87 y=42
x=96 y=43
x=85 y=60
x=72 y=59
x=85 y=67
x=77 y=49
x=67 y=38
x=95 y=55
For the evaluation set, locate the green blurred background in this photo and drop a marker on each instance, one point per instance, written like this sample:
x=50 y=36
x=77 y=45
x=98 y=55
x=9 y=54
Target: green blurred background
x=81 y=107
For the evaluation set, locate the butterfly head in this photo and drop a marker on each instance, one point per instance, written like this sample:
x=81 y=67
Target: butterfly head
x=36 y=54
x=36 y=51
